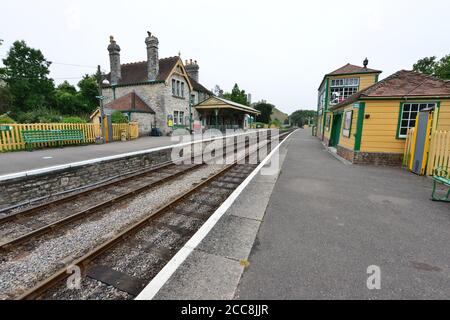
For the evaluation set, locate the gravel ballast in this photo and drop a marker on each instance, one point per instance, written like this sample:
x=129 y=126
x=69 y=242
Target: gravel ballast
x=21 y=272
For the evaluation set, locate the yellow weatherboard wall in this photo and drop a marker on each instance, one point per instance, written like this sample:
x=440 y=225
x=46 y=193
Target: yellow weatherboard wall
x=444 y=116
x=380 y=130
x=349 y=142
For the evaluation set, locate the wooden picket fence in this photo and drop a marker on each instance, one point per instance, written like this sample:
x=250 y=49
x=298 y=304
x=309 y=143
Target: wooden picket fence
x=131 y=130
x=407 y=155
x=439 y=153
x=12 y=139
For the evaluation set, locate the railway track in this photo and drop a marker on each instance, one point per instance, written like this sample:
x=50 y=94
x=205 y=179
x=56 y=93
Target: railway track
x=22 y=226
x=120 y=267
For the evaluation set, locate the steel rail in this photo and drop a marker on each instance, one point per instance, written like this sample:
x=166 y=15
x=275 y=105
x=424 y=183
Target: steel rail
x=8 y=245
x=34 y=209
x=93 y=209
x=84 y=261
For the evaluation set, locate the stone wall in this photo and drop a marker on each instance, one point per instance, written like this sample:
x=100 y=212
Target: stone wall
x=150 y=93
x=23 y=189
x=174 y=103
x=145 y=122
x=160 y=98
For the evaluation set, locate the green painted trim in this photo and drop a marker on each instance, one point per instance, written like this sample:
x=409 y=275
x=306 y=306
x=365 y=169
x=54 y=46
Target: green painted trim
x=377 y=77
x=399 y=121
x=134 y=111
x=135 y=84
x=438 y=107
x=359 y=125
x=325 y=108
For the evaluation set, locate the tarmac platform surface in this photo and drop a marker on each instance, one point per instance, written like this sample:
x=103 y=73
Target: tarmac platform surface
x=12 y=162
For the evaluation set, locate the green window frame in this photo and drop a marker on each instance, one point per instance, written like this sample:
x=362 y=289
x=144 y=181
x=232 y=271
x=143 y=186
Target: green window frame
x=408 y=113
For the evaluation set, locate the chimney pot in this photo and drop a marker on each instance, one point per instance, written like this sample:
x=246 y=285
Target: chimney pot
x=152 y=56
x=192 y=69
x=114 y=60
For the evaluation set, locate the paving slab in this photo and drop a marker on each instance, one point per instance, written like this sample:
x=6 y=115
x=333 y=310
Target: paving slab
x=232 y=238
x=203 y=276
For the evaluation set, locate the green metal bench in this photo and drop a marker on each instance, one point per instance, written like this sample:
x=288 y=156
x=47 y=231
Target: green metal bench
x=442 y=177
x=59 y=136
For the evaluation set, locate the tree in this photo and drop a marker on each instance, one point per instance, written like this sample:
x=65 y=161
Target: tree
x=67 y=87
x=426 y=65
x=266 y=110
x=118 y=117
x=68 y=103
x=5 y=99
x=443 y=68
x=430 y=65
x=302 y=117
x=26 y=74
x=237 y=95
x=89 y=92
x=217 y=91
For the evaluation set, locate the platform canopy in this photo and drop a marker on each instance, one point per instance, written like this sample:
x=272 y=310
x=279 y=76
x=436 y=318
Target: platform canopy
x=221 y=103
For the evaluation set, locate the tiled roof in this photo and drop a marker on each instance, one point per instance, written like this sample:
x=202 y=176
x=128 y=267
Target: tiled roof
x=223 y=101
x=137 y=72
x=198 y=87
x=403 y=84
x=350 y=69
x=130 y=102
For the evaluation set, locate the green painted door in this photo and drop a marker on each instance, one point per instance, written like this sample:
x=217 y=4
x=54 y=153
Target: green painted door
x=336 y=130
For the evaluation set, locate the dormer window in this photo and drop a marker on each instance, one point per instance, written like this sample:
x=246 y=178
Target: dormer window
x=341 y=89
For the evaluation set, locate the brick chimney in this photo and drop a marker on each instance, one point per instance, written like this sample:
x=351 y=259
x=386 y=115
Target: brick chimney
x=114 y=60
x=192 y=69
x=152 y=56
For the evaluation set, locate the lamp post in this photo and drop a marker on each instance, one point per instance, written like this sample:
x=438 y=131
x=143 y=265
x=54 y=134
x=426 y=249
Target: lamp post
x=190 y=115
x=101 y=79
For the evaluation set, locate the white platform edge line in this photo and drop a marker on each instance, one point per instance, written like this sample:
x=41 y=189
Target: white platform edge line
x=118 y=156
x=169 y=269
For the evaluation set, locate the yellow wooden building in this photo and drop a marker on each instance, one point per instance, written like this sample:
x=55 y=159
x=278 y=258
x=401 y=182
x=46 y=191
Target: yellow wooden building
x=336 y=87
x=373 y=124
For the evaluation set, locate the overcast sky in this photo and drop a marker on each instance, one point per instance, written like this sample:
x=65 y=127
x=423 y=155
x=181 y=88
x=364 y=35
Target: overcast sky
x=276 y=50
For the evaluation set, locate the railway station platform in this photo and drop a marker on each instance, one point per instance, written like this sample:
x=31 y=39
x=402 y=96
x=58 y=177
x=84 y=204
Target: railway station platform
x=314 y=231
x=12 y=162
